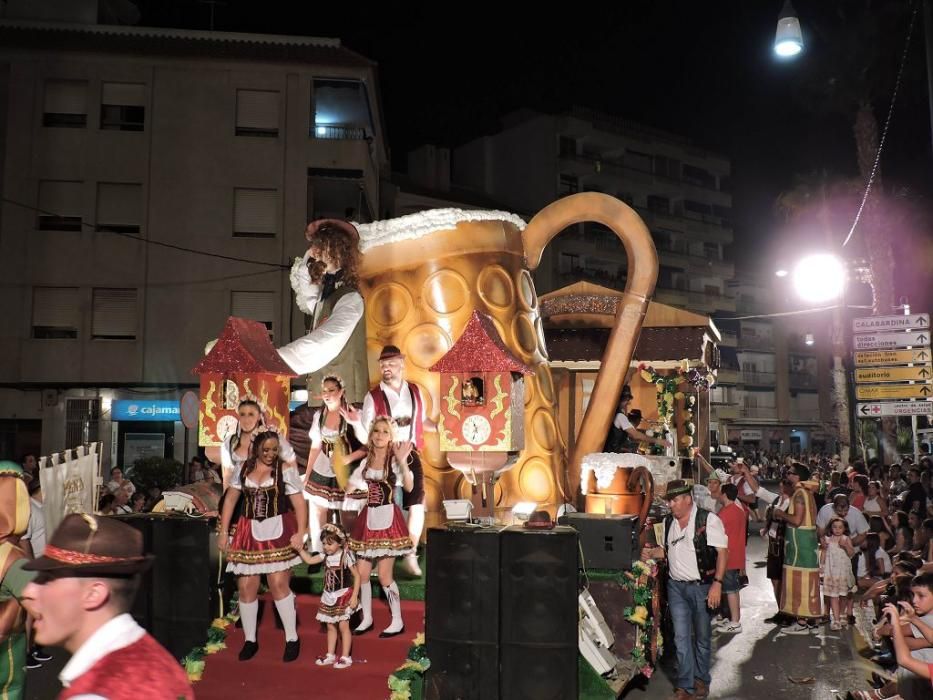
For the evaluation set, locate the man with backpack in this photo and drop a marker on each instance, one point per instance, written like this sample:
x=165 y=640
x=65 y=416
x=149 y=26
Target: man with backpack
x=696 y=549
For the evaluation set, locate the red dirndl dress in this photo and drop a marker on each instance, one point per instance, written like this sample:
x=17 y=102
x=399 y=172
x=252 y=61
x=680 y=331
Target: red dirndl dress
x=380 y=529
x=261 y=544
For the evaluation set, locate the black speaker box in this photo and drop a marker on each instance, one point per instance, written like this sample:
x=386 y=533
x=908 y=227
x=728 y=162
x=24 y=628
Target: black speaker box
x=462 y=614
x=177 y=596
x=608 y=541
x=538 y=648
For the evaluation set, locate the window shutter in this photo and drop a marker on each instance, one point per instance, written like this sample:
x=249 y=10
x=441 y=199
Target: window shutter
x=254 y=211
x=56 y=307
x=114 y=313
x=66 y=97
x=119 y=203
x=60 y=198
x=256 y=306
x=124 y=94
x=257 y=109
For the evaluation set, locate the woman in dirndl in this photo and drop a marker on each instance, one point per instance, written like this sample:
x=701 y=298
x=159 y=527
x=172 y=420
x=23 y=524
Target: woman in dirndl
x=379 y=534
x=267 y=533
x=333 y=443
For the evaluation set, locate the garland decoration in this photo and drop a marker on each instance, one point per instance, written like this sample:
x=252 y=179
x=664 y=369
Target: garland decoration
x=667 y=389
x=417 y=662
x=193 y=663
x=638 y=581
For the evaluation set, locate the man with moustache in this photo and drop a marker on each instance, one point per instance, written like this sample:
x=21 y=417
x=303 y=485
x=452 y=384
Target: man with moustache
x=403 y=402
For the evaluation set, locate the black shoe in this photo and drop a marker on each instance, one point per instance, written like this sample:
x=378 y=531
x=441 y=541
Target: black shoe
x=32 y=661
x=248 y=651
x=885 y=659
x=386 y=635
x=776 y=619
x=292 y=649
x=40 y=654
x=357 y=631
x=851 y=619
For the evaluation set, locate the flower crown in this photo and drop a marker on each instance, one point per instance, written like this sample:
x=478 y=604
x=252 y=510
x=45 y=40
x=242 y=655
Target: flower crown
x=335 y=531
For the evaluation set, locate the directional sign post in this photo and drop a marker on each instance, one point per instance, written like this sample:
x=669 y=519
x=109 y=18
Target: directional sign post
x=894 y=408
x=870 y=375
x=873 y=392
x=891 y=341
x=872 y=324
x=872 y=358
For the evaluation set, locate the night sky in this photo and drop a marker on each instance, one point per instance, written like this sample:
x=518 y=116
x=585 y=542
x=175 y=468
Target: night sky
x=703 y=70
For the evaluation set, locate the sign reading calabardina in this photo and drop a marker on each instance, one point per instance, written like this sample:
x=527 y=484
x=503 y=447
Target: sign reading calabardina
x=870 y=324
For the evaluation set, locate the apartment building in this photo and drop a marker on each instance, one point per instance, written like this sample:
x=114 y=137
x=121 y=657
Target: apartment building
x=155 y=182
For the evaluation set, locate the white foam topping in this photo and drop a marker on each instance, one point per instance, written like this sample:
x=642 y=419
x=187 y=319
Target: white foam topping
x=423 y=223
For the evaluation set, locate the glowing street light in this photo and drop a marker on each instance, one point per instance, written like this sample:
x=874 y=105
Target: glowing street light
x=781 y=273
x=820 y=277
x=788 y=41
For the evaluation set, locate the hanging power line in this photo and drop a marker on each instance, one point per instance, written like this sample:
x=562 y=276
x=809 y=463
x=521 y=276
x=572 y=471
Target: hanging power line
x=887 y=123
x=798 y=312
x=93 y=227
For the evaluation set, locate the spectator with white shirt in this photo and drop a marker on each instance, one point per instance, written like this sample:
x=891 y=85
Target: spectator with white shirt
x=326 y=282
x=622 y=427
x=33 y=543
x=858 y=524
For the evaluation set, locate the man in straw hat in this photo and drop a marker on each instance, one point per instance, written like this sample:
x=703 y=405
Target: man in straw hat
x=696 y=550
x=325 y=282
x=402 y=401
x=80 y=600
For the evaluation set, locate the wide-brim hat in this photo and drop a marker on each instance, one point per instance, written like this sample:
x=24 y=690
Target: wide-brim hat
x=91 y=545
x=677 y=487
x=339 y=223
x=390 y=352
x=626 y=393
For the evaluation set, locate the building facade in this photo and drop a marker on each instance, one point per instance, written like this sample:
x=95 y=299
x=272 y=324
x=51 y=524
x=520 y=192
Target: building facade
x=154 y=183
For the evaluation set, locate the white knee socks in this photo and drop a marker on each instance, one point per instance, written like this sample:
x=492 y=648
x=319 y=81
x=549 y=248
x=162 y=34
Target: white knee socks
x=366 y=604
x=248 y=614
x=395 y=605
x=286 y=608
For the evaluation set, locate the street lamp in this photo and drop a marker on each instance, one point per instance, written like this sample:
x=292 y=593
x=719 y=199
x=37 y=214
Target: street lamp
x=788 y=41
x=820 y=277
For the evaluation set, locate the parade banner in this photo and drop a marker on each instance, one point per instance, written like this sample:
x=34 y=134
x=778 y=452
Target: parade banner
x=70 y=482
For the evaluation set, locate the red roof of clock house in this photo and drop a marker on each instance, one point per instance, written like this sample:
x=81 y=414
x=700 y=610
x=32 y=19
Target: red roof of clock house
x=480 y=349
x=244 y=346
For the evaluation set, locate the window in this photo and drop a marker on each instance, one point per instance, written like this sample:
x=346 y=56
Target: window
x=724 y=213
x=667 y=167
x=256 y=306
x=698 y=176
x=638 y=161
x=114 y=316
x=257 y=113
x=711 y=251
x=59 y=205
x=123 y=106
x=659 y=204
x=697 y=207
x=82 y=421
x=65 y=104
x=56 y=312
x=569 y=184
x=341 y=110
x=119 y=207
x=254 y=212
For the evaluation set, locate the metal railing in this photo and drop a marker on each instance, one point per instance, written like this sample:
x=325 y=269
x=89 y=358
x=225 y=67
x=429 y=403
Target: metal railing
x=758 y=411
x=759 y=378
x=340 y=133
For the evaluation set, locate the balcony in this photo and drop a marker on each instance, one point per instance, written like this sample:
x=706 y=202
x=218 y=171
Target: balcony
x=729 y=339
x=727 y=376
x=726 y=411
x=799 y=415
x=763 y=412
x=757 y=378
x=756 y=342
x=803 y=380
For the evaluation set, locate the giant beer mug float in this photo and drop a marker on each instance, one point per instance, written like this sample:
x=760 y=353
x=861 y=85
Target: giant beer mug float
x=424 y=275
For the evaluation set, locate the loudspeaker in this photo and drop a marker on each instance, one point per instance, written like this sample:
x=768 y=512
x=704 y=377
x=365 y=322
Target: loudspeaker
x=177 y=595
x=607 y=541
x=462 y=614
x=538 y=647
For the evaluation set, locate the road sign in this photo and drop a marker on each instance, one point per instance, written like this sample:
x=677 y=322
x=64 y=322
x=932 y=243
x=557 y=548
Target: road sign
x=871 y=324
x=190 y=403
x=894 y=408
x=892 y=357
x=894 y=391
x=891 y=341
x=872 y=375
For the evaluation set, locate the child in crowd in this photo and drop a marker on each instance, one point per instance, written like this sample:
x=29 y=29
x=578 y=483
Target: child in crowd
x=836 y=563
x=914 y=651
x=341 y=594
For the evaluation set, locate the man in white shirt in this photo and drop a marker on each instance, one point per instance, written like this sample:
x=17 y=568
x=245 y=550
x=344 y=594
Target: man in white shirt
x=622 y=424
x=403 y=402
x=81 y=600
x=840 y=508
x=695 y=575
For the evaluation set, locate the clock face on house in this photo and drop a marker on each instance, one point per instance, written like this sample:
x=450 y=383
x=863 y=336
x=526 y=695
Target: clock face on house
x=227 y=425
x=476 y=429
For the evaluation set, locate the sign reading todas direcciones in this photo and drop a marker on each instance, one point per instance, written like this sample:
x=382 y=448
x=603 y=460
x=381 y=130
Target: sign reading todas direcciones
x=145 y=410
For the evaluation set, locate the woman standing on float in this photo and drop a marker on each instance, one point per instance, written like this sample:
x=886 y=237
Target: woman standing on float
x=236 y=447
x=267 y=533
x=379 y=534
x=332 y=444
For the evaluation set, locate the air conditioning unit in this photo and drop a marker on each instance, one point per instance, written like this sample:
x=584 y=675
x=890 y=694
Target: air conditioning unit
x=598 y=656
x=595 y=620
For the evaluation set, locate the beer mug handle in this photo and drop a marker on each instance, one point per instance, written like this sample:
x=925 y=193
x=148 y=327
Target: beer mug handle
x=639 y=286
